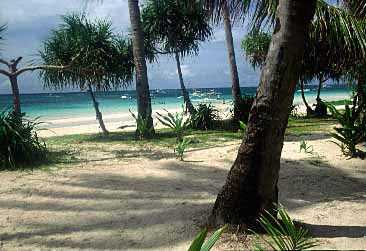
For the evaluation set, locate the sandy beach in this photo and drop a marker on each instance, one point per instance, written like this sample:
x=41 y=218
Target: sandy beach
x=119 y=197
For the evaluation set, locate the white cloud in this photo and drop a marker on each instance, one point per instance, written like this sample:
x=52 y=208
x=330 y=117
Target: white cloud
x=186 y=71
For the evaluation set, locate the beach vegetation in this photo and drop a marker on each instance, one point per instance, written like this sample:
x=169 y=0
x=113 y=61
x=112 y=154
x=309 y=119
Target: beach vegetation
x=242 y=127
x=304 y=146
x=143 y=131
x=20 y=145
x=205 y=117
x=351 y=130
x=283 y=233
x=199 y=244
x=243 y=108
x=176 y=28
x=181 y=148
x=101 y=59
x=179 y=123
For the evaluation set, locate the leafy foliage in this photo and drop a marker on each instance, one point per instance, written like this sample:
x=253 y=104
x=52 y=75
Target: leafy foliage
x=175 y=26
x=19 y=143
x=178 y=123
x=142 y=129
x=242 y=127
x=199 y=243
x=284 y=235
x=181 y=148
x=204 y=117
x=97 y=55
x=352 y=130
x=243 y=108
x=255 y=46
x=305 y=147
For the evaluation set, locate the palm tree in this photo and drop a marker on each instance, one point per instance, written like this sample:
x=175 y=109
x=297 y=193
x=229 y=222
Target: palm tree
x=251 y=185
x=235 y=84
x=103 y=62
x=176 y=28
x=142 y=83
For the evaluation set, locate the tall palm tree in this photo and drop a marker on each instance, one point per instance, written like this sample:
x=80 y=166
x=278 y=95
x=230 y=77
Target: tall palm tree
x=142 y=83
x=176 y=28
x=251 y=185
x=235 y=84
x=102 y=61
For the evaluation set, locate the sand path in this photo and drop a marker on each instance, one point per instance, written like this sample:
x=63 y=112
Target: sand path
x=127 y=198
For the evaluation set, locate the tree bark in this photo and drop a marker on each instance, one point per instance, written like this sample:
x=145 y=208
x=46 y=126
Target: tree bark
x=251 y=185
x=16 y=96
x=185 y=93
x=361 y=90
x=235 y=85
x=98 y=114
x=142 y=84
x=309 y=111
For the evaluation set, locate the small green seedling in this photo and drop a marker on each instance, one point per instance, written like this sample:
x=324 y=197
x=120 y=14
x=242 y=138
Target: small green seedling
x=199 y=244
x=181 y=148
x=305 y=147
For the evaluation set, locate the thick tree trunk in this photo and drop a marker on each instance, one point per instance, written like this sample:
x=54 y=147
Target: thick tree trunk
x=142 y=84
x=309 y=111
x=16 y=96
x=251 y=185
x=235 y=85
x=319 y=88
x=185 y=93
x=98 y=114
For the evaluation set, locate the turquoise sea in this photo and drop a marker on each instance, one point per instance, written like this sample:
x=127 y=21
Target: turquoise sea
x=50 y=106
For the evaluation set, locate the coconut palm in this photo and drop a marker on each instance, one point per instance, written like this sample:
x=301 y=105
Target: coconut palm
x=251 y=185
x=176 y=28
x=142 y=82
x=103 y=60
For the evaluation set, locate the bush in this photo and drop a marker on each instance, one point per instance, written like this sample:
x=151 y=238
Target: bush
x=205 y=117
x=352 y=130
x=242 y=110
x=283 y=233
x=178 y=123
x=142 y=130
x=19 y=143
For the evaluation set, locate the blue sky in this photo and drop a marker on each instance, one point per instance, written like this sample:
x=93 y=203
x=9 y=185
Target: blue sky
x=30 y=22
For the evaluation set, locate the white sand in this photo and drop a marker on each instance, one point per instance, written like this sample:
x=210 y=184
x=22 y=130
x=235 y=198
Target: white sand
x=119 y=197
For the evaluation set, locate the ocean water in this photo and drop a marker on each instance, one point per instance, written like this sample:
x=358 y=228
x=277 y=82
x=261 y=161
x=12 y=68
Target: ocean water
x=50 y=106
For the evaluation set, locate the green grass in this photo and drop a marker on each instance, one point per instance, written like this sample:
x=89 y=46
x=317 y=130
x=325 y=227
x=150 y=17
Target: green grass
x=166 y=138
x=341 y=102
x=307 y=126
x=66 y=151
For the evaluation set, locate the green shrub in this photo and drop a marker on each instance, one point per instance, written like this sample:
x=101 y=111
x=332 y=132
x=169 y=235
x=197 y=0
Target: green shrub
x=19 y=142
x=204 y=118
x=283 y=233
x=352 y=130
x=242 y=127
x=199 y=243
x=181 y=148
x=243 y=108
x=142 y=130
x=178 y=123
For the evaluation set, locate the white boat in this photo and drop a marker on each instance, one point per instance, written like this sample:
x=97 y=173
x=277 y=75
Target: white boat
x=125 y=97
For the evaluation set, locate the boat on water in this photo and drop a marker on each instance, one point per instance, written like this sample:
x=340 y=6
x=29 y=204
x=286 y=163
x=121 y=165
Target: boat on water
x=125 y=97
x=198 y=94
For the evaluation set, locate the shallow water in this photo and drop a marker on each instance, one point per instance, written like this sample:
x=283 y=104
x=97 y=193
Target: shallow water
x=78 y=104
